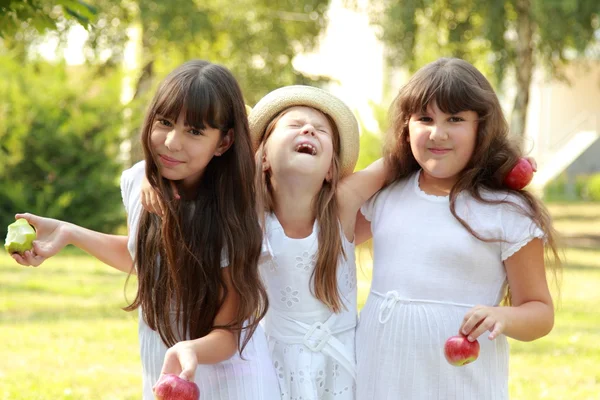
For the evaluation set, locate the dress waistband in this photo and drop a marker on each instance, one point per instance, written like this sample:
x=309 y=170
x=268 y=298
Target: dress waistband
x=391 y=298
x=317 y=337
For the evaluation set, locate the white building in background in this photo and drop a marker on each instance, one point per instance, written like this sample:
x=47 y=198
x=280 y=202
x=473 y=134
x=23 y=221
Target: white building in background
x=563 y=121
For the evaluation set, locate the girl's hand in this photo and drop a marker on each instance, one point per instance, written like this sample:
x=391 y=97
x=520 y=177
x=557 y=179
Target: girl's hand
x=531 y=161
x=151 y=200
x=480 y=319
x=181 y=360
x=52 y=236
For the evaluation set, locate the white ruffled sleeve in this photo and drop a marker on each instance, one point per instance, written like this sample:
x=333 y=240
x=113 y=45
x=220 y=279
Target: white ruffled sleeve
x=368 y=209
x=518 y=228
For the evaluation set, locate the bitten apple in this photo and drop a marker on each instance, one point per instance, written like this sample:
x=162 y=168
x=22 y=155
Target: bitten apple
x=459 y=351
x=20 y=237
x=172 y=387
x=520 y=175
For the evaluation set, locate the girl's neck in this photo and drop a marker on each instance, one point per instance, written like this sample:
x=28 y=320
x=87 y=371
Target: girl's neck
x=294 y=206
x=436 y=186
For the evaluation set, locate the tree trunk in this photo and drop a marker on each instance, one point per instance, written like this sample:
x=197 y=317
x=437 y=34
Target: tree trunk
x=523 y=66
x=143 y=86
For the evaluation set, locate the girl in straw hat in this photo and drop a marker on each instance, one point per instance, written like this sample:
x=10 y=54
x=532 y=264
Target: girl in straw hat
x=449 y=241
x=199 y=292
x=307 y=141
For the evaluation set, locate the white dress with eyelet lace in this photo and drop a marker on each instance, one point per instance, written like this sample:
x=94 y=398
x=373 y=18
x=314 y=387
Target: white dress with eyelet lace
x=312 y=348
x=428 y=270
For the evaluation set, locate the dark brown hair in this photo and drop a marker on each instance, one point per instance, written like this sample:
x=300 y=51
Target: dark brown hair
x=324 y=277
x=455 y=86
x=178 y=257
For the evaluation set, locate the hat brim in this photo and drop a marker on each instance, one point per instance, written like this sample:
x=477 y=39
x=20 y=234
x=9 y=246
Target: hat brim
x=298 y=95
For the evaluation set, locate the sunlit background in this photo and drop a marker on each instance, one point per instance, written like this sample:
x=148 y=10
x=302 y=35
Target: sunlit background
x=75 y=77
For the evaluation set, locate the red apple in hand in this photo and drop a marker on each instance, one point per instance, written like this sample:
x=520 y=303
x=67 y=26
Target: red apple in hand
x=520 y=175
x=172 y=387
x=459 y=351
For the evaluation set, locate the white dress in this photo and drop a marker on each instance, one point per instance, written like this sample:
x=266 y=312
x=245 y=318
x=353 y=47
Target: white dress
x=250 y=378
x=311 y=347
x=428 y=271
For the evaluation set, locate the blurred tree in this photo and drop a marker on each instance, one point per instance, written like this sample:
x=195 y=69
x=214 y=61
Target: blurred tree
x=496 y=36
x=256 y=39
x=59 y=144
x=42 y=15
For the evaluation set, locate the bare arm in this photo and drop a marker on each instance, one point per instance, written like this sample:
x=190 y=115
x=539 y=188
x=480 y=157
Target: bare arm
x=531 y=315
x=53 y=235
x=362 y=229
x=219 y=345
x=354 y=190
x=110 y=249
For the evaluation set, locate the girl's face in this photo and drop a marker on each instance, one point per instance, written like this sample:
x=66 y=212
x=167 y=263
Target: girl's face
x=182 y=151
x=443 y=143
x=300 y=142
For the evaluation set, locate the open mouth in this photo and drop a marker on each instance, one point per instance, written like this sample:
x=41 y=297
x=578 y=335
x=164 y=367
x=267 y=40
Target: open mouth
x=306 y=148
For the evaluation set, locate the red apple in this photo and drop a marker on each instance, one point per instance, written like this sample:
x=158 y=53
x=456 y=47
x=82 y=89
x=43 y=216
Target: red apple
x=459 y=351
x=172 y=387
x=520 y=175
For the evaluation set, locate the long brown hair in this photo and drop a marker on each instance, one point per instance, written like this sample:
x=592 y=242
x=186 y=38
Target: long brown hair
x=325 y=207
x=455 y=86
x=178 y=257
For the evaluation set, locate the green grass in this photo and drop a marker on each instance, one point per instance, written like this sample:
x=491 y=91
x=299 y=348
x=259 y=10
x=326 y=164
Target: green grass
x=64 y=335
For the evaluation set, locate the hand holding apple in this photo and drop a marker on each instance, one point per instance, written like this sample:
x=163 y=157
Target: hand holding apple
x=172 y=387
x=20 y=237
x=520 y=175
x=52 y=236
x=460 y=351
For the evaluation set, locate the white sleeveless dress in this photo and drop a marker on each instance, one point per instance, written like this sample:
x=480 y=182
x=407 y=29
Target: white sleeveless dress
x=251 y=378
x=311 y=347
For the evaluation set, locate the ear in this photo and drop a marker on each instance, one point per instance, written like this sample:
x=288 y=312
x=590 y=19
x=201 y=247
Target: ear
x=226 y=142
x=265 y=162
x=329 y=175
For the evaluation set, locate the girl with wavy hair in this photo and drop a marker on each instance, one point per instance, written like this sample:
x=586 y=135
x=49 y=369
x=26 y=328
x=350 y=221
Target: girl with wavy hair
x=451 y=242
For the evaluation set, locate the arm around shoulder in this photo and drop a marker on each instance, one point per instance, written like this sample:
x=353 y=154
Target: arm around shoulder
x=354 y=190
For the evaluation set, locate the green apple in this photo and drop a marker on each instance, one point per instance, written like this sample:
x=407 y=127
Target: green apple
x=20 y=237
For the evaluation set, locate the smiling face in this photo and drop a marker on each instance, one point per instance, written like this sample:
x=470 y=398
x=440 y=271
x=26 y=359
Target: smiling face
x=302 y=141
x=442 y=143
x=183 y=152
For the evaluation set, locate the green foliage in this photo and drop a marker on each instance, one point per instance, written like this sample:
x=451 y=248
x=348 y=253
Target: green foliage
x=483 y=32
x=256 y=39
x=593 y=187
x=42 y=15
x=576 y=188
x=59 y=144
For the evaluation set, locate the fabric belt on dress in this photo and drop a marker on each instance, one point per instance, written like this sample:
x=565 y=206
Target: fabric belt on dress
x=391 y=298
x=318 y=337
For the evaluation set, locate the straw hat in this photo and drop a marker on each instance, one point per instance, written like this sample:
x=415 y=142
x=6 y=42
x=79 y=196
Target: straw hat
x=289 y=96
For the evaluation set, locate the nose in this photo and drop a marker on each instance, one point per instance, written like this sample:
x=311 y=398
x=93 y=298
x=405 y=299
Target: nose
x=173 y=141
x=308 y=129
x=437 y=133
